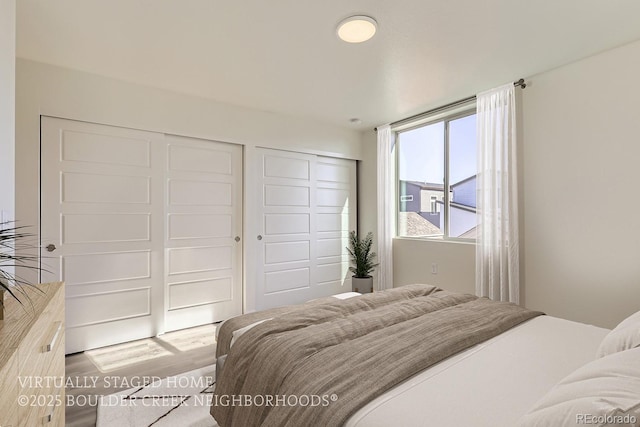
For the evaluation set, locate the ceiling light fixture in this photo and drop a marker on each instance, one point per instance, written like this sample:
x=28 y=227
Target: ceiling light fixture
x=357 y=29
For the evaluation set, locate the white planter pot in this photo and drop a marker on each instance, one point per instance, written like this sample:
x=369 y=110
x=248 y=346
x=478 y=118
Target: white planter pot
x=363 y=285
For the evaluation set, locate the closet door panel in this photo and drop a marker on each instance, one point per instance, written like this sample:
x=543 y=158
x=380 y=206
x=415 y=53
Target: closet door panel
x=142 y=227
x=304 y=208
x=337 y=215
x=285 y=226
x=103 y=228
x=203 y=258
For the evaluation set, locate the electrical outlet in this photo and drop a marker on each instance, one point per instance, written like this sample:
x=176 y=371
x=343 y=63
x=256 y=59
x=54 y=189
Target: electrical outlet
x=434 y=268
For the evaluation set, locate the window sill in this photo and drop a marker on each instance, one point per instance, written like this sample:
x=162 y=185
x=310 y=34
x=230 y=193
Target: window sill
x=438 y=240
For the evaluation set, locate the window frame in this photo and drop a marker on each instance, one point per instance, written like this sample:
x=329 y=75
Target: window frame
x=465 y=110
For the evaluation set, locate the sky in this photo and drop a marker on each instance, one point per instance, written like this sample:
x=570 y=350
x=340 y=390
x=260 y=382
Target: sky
x=421 y=155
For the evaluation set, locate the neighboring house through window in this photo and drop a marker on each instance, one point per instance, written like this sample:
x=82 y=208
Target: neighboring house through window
x=434 y=156
x=434 y=204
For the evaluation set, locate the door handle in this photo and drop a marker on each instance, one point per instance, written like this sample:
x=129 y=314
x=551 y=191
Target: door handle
x=54 y=337
x=259 y=237
x=51 y=247
x=237 y=239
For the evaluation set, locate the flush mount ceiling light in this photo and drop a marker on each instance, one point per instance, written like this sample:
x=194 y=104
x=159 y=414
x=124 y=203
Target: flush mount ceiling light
x=357 y=29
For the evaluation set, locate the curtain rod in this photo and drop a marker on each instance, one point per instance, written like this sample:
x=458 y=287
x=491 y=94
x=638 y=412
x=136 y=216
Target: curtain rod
x=519 y=83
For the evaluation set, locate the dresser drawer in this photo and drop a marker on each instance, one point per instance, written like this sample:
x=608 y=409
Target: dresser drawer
x=9 y=393
x=32 y=359
x=46 y=402
x=41 y=367
x=46 y=410
x=38 y=348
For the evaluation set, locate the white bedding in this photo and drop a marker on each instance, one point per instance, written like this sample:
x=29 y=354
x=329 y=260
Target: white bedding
x=490 y=385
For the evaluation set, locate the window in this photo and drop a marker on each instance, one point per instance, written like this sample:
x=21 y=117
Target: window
x=434 y=204
x=433 y=157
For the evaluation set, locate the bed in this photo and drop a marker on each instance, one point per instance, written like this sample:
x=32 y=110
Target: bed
x=492 y=382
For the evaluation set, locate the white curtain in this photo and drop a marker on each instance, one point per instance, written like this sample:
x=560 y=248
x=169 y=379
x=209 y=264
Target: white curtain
x=386 y=214
x=497 y=259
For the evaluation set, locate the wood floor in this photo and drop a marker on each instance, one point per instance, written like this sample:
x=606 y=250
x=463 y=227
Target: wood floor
x=172 y=355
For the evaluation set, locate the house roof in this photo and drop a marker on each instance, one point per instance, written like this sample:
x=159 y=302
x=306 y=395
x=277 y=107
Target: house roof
x=470 y=234
x=464 y=180
x=463 y=207
x=415 y=225
x=427 y=185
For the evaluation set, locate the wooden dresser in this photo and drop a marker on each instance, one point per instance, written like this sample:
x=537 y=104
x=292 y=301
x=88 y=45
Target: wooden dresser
x=32 y=359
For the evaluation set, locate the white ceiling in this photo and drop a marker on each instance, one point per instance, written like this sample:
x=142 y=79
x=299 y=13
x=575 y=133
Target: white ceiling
x=283 y=55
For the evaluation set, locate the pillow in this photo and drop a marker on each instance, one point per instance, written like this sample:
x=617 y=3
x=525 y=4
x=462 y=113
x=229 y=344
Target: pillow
x=605 y=392
x=344 y=295
x=347 y=295
x=240 y=332
x=623 y=337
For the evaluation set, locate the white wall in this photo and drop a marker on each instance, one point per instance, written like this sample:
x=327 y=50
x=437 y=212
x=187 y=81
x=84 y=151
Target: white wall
x=579 y=154
x=581 y=126
x=7 y=106
x=580 y=147
x=44 y=89
x=412 y=260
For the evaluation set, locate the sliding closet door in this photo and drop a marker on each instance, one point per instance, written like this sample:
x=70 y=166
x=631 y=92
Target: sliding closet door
x=286 y=215
x=336 y=215
x=101 y=228
x=305 y=208
x=204 y=229
x=142 y=228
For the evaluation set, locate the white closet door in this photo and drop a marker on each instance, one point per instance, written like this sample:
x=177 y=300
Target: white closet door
x=144 y=229
x=100 y=210
x=336 y=215
x=305 y=208
x=204 y=230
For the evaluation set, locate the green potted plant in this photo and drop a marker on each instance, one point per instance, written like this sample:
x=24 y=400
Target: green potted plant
x=363 y=262
x=13 y=240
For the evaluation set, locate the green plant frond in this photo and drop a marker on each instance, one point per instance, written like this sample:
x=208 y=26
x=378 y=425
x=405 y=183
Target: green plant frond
x=13 y=238
x=362 y=258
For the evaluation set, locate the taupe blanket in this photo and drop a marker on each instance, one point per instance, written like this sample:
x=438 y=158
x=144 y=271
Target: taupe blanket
x=229 y=326
x=354 y=349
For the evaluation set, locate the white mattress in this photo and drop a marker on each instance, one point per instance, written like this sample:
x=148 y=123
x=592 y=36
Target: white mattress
x=490 y=385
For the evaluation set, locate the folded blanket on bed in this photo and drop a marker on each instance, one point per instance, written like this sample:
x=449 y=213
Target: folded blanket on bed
x=226 y=329
x=353 y=349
